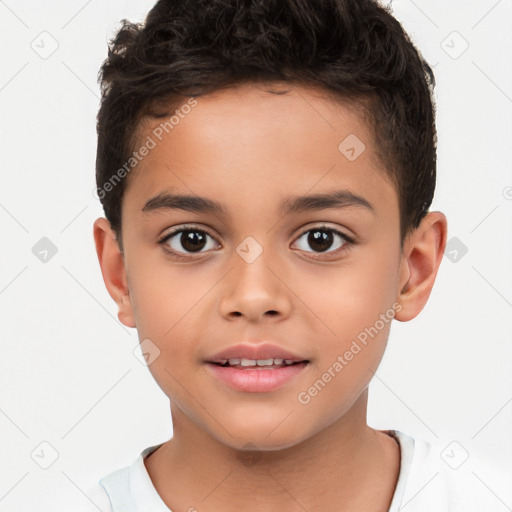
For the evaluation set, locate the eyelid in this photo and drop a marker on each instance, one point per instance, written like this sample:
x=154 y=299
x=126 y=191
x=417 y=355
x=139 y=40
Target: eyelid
x=347 y=244
x=178 y=229
x=348 y=239
x=192 y=225
x=184 y=227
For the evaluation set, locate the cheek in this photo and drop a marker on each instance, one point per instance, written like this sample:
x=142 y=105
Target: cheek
x=342 y=373
x=169 y=307
x=167 y=297
x=351 y=297
x=357 y=304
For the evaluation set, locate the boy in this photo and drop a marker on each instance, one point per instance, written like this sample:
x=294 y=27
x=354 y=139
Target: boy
x=266 y=170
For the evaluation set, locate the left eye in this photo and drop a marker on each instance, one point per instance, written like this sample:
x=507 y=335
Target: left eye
x=192 y=240
x=321 y=239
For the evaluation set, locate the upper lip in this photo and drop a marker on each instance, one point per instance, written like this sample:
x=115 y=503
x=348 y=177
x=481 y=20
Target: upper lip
x=255 y=351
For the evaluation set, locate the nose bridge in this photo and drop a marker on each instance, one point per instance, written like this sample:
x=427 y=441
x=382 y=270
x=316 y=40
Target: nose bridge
x=252 y=288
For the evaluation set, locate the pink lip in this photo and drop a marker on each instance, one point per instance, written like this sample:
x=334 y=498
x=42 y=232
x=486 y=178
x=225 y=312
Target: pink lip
x=253 y=380
x=255 y=351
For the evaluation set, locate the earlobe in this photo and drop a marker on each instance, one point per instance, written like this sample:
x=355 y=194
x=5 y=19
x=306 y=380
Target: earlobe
x=113 y=269
x=422 y=255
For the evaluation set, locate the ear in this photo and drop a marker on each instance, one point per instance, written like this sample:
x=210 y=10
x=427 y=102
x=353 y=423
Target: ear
x=113 y=269
x=422 y=254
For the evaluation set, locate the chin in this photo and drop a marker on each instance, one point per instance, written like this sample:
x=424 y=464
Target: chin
x=262 y=444
x=261 y=436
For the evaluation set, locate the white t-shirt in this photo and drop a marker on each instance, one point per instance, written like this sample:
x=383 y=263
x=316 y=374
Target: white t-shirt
x=431 y=479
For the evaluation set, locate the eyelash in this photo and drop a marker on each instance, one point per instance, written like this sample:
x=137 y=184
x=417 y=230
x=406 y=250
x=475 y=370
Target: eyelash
x=348 y=241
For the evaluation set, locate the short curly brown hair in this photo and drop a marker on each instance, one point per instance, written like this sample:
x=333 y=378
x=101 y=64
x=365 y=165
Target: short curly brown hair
x=353 y=49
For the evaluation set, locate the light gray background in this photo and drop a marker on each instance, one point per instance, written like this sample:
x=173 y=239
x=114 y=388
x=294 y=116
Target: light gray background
x=68 y=374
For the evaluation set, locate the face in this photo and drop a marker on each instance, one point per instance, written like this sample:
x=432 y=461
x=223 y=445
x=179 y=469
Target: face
x=298 y=259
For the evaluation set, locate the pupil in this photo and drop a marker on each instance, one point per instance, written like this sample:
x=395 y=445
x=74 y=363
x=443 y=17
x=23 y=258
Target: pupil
x=320 y=240
x=193 y=240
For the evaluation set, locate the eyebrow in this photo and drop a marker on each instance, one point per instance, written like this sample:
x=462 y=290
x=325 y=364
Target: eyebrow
x=336 y=199
x=295 y=204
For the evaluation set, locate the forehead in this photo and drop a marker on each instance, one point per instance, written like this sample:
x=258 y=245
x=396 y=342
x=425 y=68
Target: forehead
x=236 y=143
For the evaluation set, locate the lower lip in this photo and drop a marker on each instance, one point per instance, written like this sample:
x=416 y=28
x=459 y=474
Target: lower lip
x=256 y=381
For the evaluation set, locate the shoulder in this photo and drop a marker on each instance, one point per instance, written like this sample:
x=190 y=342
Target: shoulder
x=130 y=488
x=448 y=478
x=97 y=500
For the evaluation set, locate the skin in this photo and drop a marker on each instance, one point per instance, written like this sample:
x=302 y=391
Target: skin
x=250 y=149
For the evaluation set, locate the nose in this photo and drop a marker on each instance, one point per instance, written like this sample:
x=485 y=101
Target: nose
x=255 y=291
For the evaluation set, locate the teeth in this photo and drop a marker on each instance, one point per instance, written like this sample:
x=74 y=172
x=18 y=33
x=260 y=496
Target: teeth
x=265 y=362
x=235 y=361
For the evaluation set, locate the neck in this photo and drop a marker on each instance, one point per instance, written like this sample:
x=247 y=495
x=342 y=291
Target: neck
x=346 y=463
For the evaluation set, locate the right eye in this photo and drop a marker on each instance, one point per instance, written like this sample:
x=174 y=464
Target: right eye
x=184 y=241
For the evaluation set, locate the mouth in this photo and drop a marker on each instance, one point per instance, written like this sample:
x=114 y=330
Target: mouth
x=241 y=363
x=256 y=375
x=256 y=367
